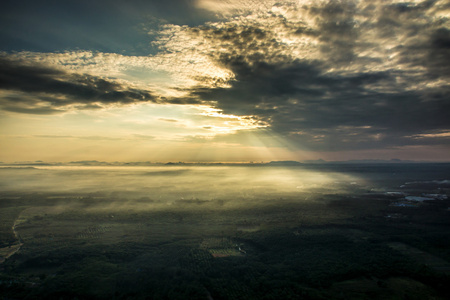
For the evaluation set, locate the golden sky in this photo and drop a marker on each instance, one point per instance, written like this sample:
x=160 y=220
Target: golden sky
x=212 y=80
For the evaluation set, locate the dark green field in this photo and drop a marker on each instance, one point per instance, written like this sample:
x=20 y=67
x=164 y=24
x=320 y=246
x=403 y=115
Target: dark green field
x=309 y=232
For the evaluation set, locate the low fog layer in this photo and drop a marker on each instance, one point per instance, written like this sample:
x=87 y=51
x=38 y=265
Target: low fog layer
x=169 y=185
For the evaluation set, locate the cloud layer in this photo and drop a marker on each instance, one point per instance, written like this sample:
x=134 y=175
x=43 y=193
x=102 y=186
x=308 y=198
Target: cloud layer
x=326 y=75
x=336 y=75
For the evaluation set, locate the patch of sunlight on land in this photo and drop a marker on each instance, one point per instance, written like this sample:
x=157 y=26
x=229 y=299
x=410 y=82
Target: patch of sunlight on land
x=177 y=186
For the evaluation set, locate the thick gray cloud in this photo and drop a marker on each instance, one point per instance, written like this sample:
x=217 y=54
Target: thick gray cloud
x=380 y=95
x=302 y=103
x=328 y=75
x=44 y=90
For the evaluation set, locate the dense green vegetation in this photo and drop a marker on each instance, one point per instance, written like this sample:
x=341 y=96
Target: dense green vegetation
x=331 y=246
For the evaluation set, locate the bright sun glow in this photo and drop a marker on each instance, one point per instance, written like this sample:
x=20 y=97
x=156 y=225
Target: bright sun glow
x=229 y=123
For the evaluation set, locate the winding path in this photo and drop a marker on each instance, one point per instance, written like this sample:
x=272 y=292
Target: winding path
x=13 y=249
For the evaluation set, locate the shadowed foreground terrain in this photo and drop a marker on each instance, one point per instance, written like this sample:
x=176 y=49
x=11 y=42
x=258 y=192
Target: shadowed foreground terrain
x=225 y=232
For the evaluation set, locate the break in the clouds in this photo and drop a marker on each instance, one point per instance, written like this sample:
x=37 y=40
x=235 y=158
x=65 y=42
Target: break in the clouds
x=320 y=75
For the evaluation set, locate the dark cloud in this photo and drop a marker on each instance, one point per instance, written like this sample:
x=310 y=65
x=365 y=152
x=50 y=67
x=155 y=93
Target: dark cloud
x=437 y=59
x=378 y=76
x=322 y=110
x=426 y=39
x=47 y=90
x=326 y=111
x=253 y=42
x=337 y=29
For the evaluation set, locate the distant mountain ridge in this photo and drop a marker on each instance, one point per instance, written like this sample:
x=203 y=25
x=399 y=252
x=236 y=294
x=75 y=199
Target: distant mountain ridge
x=180 y=163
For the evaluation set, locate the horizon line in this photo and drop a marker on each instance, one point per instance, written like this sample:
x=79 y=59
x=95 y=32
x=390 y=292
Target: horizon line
x=174 y=162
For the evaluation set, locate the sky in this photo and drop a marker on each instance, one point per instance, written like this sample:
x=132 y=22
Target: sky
x=224 y=80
